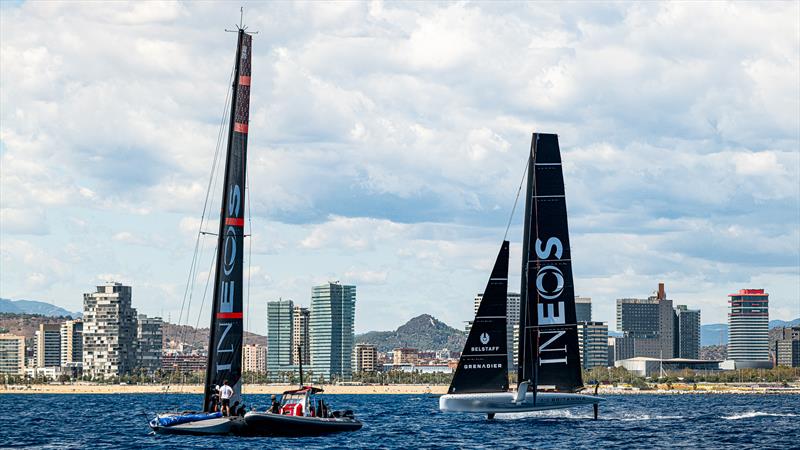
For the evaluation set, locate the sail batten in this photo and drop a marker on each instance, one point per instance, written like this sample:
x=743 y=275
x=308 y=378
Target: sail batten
x=548 y=342
x=226 y=330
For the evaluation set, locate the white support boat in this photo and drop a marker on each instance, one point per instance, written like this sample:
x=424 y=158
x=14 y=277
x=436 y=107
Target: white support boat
x=548 y=338
x=505 y=402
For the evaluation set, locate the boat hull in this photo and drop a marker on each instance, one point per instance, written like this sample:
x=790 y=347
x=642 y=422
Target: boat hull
x=264 y=423
x=504 y=402
x=218 y=426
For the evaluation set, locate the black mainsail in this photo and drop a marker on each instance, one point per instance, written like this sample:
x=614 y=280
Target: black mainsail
x=225 y=337
x=483 y=366
x=548 y=343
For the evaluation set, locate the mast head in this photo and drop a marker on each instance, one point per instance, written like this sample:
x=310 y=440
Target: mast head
x=241 y=27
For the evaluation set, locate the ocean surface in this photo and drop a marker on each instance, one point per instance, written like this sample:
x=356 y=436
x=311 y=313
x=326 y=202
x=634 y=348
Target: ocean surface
x=414 y=421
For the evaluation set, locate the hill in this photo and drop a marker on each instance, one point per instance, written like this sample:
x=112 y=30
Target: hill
x=34 y=307
x=198 y=337
x=25 y=324
x=423 y=332
x=717 y=333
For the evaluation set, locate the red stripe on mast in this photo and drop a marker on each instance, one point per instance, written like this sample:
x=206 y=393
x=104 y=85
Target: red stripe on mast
x=237 y=222
x=240 y=127
x=229 y=315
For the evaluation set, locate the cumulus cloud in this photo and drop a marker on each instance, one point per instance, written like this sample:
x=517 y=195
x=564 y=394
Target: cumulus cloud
x=388 y=140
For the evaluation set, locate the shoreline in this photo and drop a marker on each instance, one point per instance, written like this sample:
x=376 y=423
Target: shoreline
x=394 y=389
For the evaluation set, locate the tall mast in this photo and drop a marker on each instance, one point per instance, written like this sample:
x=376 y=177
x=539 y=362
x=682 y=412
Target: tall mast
x=226 y=328
x=525 y=349
x=548 y=341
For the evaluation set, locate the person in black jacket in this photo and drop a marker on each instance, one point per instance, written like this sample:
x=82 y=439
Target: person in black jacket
x=276 y=405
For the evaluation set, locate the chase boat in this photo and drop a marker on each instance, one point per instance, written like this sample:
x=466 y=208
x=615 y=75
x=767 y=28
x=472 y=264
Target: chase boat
x=301 y=414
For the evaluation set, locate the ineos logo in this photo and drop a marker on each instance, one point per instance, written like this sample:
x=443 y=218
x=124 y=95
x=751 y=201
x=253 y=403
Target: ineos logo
x=229 y=246
x=544 y=253
x=484 y=338
x=542 y=274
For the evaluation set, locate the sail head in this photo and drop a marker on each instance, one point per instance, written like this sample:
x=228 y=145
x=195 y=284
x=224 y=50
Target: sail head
x=548 y=345
x=483 y=366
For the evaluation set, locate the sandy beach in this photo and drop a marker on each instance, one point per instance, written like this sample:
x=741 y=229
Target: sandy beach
x=88 y=388
x=418 y=389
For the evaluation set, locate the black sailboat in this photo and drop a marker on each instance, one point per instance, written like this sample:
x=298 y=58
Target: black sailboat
x=549 y=366
x=226 y=328
x=297 y=415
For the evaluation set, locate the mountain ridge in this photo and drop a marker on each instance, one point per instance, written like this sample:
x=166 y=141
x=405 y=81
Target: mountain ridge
x=35 y=307
x=717 y=333
x=423 y=332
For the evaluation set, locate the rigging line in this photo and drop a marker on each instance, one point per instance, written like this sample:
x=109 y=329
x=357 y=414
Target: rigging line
x=516 y=200
x=214 y=164
x=525 y=274
x=205 y=293
x=214 y=168
x=249 y=253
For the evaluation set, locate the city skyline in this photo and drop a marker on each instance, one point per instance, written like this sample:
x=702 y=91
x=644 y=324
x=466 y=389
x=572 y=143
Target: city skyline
x=612 y=326
x=397 y=168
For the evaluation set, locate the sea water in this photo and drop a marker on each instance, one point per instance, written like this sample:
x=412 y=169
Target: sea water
x=414 y=421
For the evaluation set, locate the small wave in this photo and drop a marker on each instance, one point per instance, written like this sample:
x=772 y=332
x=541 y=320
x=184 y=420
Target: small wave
x=567 y=414
x=649 y=417
x=751 y=414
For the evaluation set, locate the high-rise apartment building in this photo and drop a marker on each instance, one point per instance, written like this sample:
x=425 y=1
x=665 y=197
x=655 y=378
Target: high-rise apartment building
x=583 y=309
x=748 y=326
x=300 y=336
x=787 y=347
x=512 y=326
x=72 y=344
x=612 y=350
x=687 y=332
x=405 y=356
x=650 y=320
x=109 y=331
x=254 y=358
x=365 y=358
x=12 y=354
x=279 y=336
x=47 y=343
x=149 y=343
x=331 y=330
x=593 y=344
x=626 y=347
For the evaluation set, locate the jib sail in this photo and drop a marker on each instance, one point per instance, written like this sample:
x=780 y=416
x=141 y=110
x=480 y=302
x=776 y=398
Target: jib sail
x=483 y=366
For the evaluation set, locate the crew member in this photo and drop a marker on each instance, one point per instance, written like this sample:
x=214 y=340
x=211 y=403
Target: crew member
x=214 y=407
x=225 y=394
x=276 y=405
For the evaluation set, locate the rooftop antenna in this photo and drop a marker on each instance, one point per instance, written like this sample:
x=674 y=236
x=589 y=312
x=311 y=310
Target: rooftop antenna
x=241 y=26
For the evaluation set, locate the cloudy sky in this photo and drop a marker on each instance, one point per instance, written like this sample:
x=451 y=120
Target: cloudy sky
x=387 y=142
